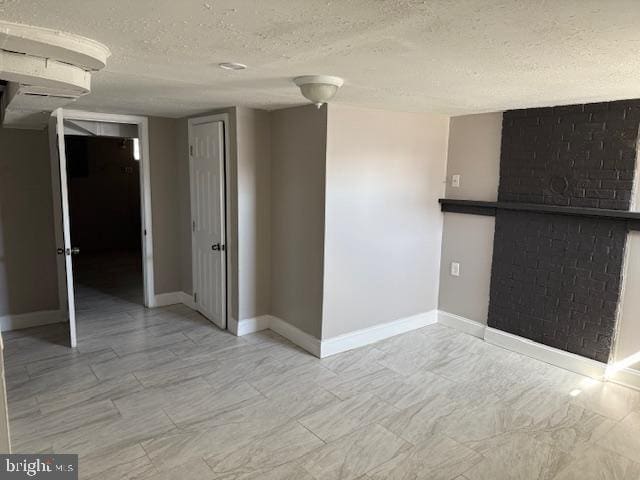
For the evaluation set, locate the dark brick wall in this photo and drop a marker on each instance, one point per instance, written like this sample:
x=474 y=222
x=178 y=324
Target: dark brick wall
x=556 y=279
x=576 y=155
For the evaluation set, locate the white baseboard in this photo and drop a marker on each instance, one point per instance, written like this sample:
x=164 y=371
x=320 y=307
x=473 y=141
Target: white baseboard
x=288 y=331
x=187 y=299
x=331 y=346
x=460 y=323
x=172 y=298
x=32 y=319
x=165 y=299
x=251 y=325
x=305 y=341
x=360 y=338
x=560 y=358
x=627 y=377
x=232 y=326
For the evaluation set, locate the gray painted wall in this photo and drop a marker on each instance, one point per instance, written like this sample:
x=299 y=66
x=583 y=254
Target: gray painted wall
x=628 y=338
x=474 y=153
x=298 y=152
x=165 y=201
x=383 y=231
x=468 y=240
x=254 y=212
x=28 y=275
x=184 y=207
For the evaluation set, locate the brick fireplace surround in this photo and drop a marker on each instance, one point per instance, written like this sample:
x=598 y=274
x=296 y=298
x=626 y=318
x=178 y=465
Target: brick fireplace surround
x=562 y=218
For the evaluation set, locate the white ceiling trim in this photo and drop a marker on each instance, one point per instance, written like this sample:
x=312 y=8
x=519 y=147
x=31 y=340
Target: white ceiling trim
x=47 y=43
x=46 y=70
x=42 y=72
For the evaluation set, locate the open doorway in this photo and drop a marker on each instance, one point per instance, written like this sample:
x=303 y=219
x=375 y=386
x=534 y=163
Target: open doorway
x=103 y=181
x=102 y=214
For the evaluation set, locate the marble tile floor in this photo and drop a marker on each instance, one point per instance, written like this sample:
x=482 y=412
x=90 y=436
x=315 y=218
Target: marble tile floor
x=163 y=394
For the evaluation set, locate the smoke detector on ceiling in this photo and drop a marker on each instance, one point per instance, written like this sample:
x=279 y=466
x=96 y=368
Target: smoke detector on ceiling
x=232 y=66
x=318 y=88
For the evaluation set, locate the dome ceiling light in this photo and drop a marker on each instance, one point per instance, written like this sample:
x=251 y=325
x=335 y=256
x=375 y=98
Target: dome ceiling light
x=318 y=88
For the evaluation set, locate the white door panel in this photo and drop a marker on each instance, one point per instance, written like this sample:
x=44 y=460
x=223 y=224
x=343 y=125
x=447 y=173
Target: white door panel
x=61 y=216
x=207 y=205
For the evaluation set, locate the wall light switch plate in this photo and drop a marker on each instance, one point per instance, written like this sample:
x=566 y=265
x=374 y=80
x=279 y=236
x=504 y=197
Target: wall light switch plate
x=455 y=181
x=455 y=269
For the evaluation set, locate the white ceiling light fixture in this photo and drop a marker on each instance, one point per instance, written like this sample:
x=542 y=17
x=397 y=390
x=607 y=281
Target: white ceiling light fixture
x=318 y=88
x=232 y=66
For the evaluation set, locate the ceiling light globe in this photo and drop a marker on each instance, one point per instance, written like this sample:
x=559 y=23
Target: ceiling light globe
x=319 y=89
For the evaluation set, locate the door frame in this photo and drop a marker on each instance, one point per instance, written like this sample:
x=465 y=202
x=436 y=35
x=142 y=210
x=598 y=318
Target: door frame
x=226 y=211
x=146 y=232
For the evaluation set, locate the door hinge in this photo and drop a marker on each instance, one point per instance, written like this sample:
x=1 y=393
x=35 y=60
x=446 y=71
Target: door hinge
x=190 y=149
x=195 y=298
x=193 y=226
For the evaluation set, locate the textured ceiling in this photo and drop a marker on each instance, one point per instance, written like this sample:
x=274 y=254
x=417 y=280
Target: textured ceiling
x=451 y=57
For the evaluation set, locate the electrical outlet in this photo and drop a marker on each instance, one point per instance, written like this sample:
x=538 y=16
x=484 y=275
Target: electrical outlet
x=455 y=269
x=455 y=181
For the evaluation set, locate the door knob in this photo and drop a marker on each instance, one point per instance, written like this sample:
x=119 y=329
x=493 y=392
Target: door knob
x=68 y=251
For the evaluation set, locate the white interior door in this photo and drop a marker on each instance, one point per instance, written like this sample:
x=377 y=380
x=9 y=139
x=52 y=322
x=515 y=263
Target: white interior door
x=208 y=220
x=63 y=225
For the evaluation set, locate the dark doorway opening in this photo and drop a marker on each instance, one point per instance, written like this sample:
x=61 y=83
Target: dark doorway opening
x=104 y=203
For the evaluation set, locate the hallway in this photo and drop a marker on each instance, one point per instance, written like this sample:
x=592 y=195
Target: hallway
x=110 y=280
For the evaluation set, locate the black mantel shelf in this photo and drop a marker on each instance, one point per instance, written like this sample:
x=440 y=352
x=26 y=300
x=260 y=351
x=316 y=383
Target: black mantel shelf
x=476 y=207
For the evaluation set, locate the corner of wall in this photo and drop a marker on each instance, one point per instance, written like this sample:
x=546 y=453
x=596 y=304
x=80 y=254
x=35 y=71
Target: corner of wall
x=327 y=142
x=473 y=152
x=253 y=181
x=184 y=189
x=298 y=159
